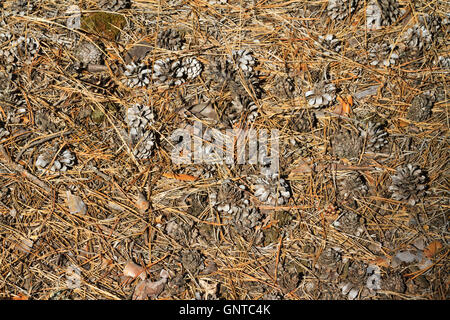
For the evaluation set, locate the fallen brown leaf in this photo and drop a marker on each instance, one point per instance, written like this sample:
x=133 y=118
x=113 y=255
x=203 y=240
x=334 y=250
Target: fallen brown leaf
x=381 y=262
x=75 y=203
x=133 y=270
x=148 y=289
x=432 y=249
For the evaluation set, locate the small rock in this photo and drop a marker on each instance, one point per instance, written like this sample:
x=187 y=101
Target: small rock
x=75 y=203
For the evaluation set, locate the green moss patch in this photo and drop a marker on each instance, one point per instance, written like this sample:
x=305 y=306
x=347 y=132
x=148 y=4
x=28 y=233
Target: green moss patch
x=103 y=24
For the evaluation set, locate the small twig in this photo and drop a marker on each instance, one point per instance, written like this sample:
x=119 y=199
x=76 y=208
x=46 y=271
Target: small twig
x=37 y=142
x=6 y=159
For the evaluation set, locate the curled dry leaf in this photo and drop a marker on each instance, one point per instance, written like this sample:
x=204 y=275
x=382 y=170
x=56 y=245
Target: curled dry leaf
x=75 y=204
x=148 y=289
x=204 y=110
x=133 y=270
x=141 y=203
x=138 y=51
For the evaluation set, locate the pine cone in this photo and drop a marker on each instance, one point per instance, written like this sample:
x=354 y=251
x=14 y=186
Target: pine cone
x=190 y=68
x=272 y=191
x=226 y=74
x=45 y=121
x=24 y=49
x=64 y=160
x=321 y=95
x=138 y=75
x=170 y=39
x=284 y=87
x=384 y=54
x=144 y=139
x=145 y=145
x=179 y=230
x=22 y=7
x=245 y=221
x=289 y=277
x=434 y=24
x=88 y=53
x=354 y=280
x=3 y=131
x=176 y=72
x=353 y=186
x=163 y=70
x=228 y=198
x=408 y=183
x=328 y=259
x=417 y=39
x=420 y=109
x=244 y=60
x=303 y=122
x=222 y=70
x=114 y=5
x=381 y=13
x=346 y=145
x=349 y=222
x=138 y=118
x=253 y=82
x=341 y=9
x=192 y=261
x=330 y=43
x=242 y=108
x=375 y=136
x=444 y=62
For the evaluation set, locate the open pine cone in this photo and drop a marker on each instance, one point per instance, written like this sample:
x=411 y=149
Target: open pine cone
x=138 y=118
x=245 y=221
x=375 y=135
x=272 y=191
x=144 y=139
x=228 y=198
x=64 y=160
x=421 y=106
x=20 y=51
x=176 y=72
x=321 y=95
x=341 y=9
x=137 y=75
x=114 y=5
x=408 y=184
x=330 y=43
x=22 y=7
x=170 y=39
x=244 y=60
x=383 y=54
x=381 y=13
x=242 y=107
x=353 y=186
x=347 y=145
